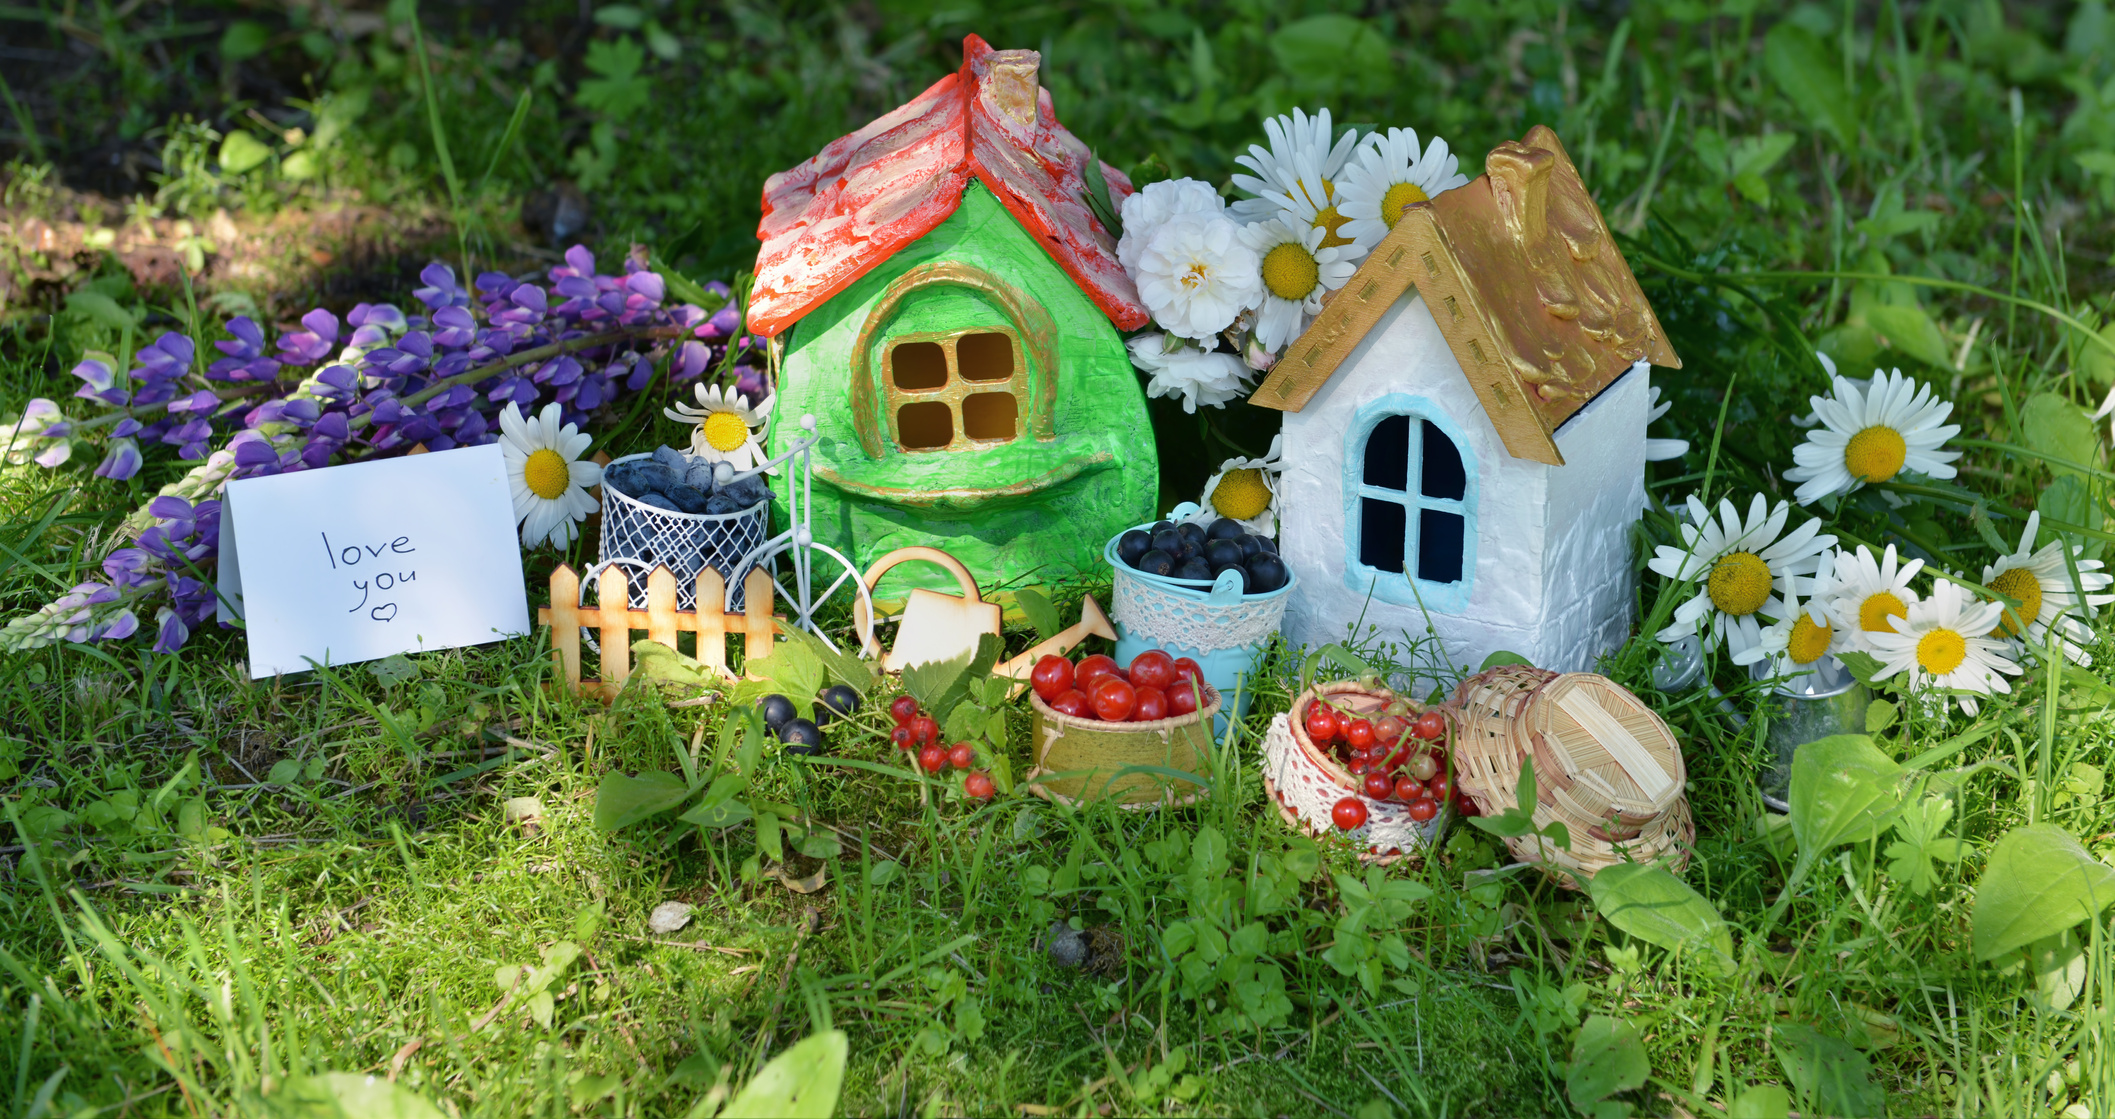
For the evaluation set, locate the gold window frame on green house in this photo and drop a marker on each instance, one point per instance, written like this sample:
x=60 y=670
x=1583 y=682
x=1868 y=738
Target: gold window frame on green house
x=879 y=400
x=970 y=402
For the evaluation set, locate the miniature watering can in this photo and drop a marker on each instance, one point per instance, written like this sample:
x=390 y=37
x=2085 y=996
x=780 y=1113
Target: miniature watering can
x=934 y=626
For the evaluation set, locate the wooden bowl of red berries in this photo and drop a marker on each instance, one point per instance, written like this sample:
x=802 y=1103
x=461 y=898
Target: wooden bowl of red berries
x=1358 y=760
x=1127 y=733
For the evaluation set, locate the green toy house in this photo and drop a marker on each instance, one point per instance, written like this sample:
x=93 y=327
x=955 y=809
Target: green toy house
x=948 y=309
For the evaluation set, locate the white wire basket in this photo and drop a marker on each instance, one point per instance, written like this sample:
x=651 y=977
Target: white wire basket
x=642 y=536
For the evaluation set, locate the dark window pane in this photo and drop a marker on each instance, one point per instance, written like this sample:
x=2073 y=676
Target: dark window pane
x=1388 y=454
x=1381 y=525
x=918 y=366
x=1444 y=476
x=1439 y=542
x=989 y=415
x=984 y=357
x=924 y=426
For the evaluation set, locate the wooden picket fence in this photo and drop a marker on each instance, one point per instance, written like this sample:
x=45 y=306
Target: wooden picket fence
x=661 y=621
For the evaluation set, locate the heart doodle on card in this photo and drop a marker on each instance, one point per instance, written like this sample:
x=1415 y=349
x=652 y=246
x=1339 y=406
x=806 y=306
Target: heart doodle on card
x=384 y=612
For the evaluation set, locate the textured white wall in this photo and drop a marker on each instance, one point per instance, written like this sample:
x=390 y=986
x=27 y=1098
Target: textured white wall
x=1552 y=575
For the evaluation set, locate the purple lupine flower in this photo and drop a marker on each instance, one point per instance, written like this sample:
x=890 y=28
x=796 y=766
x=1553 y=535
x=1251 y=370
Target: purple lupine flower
x=334 y=426
x=166 y=358
x=307 y=347
x=100 y=383
x=691 y=360
x=337 y=382
x=130 y=568
x=382 y=315
x=204 y=400
x=723 y=323
x=719 y=288
x=453 y=327
x=578 y=262
x=172 y=632
x=246 y=360
x=494 y=285
x=122 y=461
x=441 y=290
x=641 y=372
x=125 y=427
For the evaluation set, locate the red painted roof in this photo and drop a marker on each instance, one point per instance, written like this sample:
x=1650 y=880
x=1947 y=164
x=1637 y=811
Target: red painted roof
x=866 y=195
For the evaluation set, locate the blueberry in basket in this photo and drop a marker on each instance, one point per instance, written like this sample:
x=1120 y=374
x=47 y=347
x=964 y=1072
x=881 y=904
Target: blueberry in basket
x=1225 y=528
x=1133 y=544
x=1222 y=552
x=1266 y=573
x=1167 y=540
x=1156 y=562
x=1194 y=568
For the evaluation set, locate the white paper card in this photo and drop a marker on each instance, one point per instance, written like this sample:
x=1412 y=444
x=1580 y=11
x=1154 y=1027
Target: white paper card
x=356 y=562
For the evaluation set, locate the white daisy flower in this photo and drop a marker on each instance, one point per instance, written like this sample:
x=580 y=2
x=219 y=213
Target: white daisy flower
x=1309 y=203
x=727 y=427
x=1744 y=566
x=1800 y=642
x=1295 y=140
x=1157 y=204
x=2041 y=581
x=1871 y=433
x=1196 y=274
x=1660 y=450
x=1942 y=644
x=549 y=478
x=1389 y=174
x=1296 y=272
x=1867 y=592
x=1246 y=490
x=1197 y=377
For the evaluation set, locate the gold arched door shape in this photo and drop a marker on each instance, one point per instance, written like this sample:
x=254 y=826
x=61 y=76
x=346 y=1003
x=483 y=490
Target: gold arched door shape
x=1033 y=332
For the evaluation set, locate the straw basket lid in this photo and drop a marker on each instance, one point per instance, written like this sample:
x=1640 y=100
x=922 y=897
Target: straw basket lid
x=1602 y=749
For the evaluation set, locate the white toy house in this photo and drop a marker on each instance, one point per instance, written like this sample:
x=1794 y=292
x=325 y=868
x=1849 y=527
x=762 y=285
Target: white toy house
x=1465 y=426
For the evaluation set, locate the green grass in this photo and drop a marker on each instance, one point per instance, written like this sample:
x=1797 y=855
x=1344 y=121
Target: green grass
x=186 y=938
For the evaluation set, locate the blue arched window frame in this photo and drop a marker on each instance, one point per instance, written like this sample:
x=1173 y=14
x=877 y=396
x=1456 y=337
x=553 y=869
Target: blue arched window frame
x=1397 y=586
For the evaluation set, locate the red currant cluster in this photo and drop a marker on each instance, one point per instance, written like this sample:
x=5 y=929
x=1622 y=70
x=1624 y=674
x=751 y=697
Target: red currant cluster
x=1156 y=686
x=1392 y=757
x=916 y=731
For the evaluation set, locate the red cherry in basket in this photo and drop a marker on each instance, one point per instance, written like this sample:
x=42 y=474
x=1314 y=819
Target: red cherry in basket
x=1152 y=669
x=1394 y=759
x=1423 y=765
x=1348 y=813
x=1073 y=703
x=1359 y=733
x=903 y=709
x=1389 y=729
x=1465 y=807
x=1090 y=671
x=1378 y=786
x=1423 y=808
x=1182 y=699
x=932 y=759
x=903 y=738
x=1152 y=705
x=1359 y=766
x=1052 y=677
x=1430 y=725
x=1407 y=789
x=962 y=756
x=1321 y=724
x=1440 y=787
x=925 y=730
x=1188 y=669
x=979 y=785
x=1114 y=700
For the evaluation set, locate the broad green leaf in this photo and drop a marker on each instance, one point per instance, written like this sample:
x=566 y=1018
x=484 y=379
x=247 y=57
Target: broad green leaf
x=1831 y=1076
x=1844 y=790
x=1766 y=1101
x=103 y=310
x=719 y=808
x=1038 y=610
x=620 y=91
x=350 y=1095
x=1880 y=716
x=1650 y=903
x=847 y=668
x=2069 y=498
x=801 y=1083
x=939 y=685
x=622 y=801
x=965 y=722
x=1810 y=77
x=393 y=670
x=244 y=38
x=792 y=670
x=241 y=153
x=1921 y=831
x=1608 y=1056
x=1756 y=155
x=285 y=771
x=2038 y=882
x=820 y=844
x=2060 y=429
x=767 y=837
x=1502 y=657
x=663 y=665
x=1910 y=329
x=2058 y=964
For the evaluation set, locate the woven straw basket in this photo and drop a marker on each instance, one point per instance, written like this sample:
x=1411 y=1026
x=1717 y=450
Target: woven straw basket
x=1085 y=759
x=1306 y=780
x=1606 y=767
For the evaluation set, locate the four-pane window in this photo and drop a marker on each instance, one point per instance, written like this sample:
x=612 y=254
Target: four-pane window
x=1412 y=502
x=955 y=391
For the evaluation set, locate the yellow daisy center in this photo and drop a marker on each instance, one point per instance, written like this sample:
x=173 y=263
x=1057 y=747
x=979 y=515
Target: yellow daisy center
x=1875 y=454
x=1808 y=641
x=1241 y=494
x=1877 y=608
x=546 y=474
x=1739 y=583
x=2019 y=583
x=725 y=431
x=1290 y=271
x=1400 y=197
x=1329 y=221
x=1941 y=651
